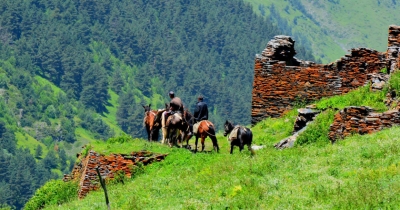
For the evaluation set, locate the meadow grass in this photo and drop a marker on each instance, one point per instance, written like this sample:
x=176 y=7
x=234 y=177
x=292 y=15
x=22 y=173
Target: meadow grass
x=359 y=172
x=356 y=173
x=24 y=140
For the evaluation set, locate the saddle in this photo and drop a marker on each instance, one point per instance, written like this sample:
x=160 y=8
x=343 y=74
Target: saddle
x=233 y=135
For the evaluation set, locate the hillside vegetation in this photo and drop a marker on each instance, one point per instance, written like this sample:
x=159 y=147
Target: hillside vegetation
x=334 y=26
x=358 y=172
x=73 y=72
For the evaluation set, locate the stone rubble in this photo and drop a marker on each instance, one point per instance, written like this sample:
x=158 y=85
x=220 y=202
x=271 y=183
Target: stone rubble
x=85 y=170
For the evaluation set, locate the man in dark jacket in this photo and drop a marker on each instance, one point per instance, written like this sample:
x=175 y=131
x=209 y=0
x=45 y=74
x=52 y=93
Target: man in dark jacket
x=201 y=111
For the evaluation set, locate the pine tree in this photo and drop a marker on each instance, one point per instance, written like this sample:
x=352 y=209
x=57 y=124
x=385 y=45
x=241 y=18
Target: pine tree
x=95 y=88
x=38 y=151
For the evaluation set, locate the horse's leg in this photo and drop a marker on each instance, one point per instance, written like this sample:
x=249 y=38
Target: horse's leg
x=215 y=143
x=182 y=138
x=241 y=147
x=169 y=135
x=203 y=138
x=195 y=144
x=163 y=129
x=148 y=133
x=151 y=135
x=231 y=149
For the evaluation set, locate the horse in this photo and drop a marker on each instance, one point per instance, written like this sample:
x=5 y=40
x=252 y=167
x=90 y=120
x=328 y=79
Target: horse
x=151 y=126
x=205 y=129
x=238 y=136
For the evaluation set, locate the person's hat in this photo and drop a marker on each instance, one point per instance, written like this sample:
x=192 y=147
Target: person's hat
x=200 y=97
x=171 y=92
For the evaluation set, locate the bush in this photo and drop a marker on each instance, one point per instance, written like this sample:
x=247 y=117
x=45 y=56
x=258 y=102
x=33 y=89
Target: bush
x=120 y=139
x=53 y=192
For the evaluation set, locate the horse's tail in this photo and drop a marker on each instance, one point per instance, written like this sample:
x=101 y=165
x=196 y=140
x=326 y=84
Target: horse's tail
x=211 y=132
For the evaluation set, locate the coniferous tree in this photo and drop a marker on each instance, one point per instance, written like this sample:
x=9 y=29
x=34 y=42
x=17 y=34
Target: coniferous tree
x=38 y=151
x=95 y=88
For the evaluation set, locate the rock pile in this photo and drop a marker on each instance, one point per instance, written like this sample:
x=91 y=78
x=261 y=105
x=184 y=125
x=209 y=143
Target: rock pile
x=361 y=120
x=85 y=170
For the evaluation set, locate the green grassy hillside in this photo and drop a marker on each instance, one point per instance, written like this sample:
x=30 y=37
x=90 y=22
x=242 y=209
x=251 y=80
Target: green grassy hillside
x=359 y=172
x=356 y=173
x=334 y=26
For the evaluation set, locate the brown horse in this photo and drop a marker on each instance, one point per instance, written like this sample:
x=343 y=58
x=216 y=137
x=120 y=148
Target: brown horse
x=205 y=129
x=149 y=122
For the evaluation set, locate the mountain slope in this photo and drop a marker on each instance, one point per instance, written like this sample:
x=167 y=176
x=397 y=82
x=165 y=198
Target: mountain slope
x=334 y=26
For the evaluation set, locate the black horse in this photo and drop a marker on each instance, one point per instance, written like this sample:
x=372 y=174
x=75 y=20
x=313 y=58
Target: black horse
x=238 y=136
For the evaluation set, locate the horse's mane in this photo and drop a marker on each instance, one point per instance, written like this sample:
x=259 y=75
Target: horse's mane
x=189 y=115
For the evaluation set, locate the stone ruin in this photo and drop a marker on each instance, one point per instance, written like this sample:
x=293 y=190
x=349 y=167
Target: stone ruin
x=85 y=169
x=281 y=80
x=361 y=120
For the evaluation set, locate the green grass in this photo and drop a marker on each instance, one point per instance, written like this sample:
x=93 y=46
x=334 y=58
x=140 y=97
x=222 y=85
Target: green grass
x=24 y=140
x=41 y=82
x=359 y=172
x=362 y=96
x=110 y=116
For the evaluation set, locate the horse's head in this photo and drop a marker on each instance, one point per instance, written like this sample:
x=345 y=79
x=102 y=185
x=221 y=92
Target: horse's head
x=146 y=108
x=228 y=127
x=188 y=116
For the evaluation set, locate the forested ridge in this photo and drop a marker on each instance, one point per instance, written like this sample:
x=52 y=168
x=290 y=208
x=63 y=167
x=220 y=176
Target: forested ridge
x=71 y=69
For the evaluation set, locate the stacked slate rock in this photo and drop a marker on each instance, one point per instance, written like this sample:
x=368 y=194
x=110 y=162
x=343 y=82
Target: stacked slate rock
x=361 y=120
x=393 y=48
x=281 y=48
x=85 y=170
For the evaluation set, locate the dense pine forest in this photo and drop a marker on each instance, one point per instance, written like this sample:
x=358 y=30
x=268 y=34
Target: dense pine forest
x=72 y=68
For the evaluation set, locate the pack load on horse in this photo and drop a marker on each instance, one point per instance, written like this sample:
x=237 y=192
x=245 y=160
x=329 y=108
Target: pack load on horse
x=151 y=126
x=238 y=136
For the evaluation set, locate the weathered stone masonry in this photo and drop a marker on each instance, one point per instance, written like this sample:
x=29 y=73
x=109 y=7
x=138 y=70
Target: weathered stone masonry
x=280 y=80
x=85 y=170
x=361 y=120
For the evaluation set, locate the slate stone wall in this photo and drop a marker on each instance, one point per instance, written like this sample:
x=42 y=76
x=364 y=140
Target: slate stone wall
x=281 y=80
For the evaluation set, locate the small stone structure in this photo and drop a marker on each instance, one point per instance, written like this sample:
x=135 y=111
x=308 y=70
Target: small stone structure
x=361 y=120
x=85 y=170
x=281 y=80
x=305 y=116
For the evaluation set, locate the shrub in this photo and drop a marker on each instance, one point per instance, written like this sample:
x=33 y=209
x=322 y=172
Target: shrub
x=120 y=139
x=53 y=192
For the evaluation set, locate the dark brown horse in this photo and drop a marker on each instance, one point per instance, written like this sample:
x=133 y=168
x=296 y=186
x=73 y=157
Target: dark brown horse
x=238 y=136
x=205 y=129
x=149 y=122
